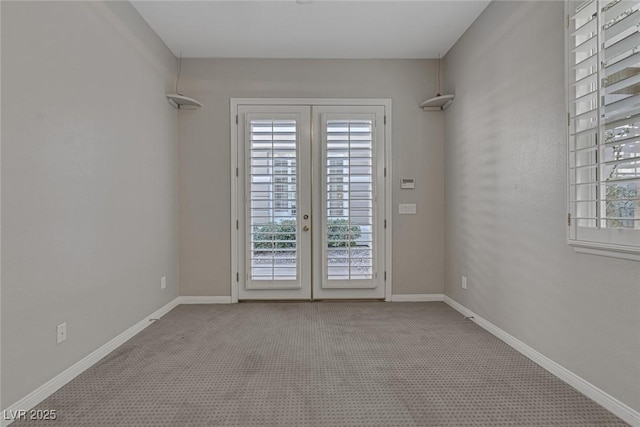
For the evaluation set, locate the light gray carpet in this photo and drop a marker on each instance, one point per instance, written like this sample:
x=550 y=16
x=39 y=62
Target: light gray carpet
x=325 y=364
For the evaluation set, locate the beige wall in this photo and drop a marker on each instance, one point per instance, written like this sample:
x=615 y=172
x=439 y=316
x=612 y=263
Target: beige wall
x=505 y=162
x=89 y=182
x=205 y=263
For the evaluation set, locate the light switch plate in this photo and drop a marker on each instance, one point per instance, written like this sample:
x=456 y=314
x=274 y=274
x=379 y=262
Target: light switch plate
x=407 y=208
x=407 y=184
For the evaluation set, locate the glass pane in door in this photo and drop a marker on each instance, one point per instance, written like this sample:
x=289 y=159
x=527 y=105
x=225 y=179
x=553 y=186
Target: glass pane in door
x=349 y=200
x=273 y=200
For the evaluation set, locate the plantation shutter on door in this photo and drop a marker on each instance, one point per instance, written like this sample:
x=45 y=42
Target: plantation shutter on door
x=604 y=121
x=349 y=231
x=272 y=208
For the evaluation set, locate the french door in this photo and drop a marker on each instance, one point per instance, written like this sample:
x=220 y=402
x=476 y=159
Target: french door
x=311 y=202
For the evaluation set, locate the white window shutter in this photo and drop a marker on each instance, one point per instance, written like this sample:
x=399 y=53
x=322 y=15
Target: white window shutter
x=349 y=228
x=273 y=198
x=604 y=121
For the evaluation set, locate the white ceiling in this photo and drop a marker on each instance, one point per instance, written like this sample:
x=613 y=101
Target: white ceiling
x=321 y=29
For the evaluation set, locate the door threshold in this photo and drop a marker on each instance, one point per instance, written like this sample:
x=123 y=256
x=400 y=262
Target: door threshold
x=314 y=300
x=350 y=300
x=249 y=301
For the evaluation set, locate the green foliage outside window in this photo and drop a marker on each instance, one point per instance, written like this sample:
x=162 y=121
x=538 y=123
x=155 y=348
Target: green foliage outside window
x=282 y=235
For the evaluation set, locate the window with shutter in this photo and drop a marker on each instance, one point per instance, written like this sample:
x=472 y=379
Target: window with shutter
x=603 y=76
x=349 y=229
x=272 y=191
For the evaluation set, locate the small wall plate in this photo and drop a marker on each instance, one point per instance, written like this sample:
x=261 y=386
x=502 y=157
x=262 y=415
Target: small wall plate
x=407 y=183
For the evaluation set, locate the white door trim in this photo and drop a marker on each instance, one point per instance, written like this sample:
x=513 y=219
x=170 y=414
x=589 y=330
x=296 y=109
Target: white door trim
x=388 y=206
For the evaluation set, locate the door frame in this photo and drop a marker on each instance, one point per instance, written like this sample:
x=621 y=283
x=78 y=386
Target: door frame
x=388 y=204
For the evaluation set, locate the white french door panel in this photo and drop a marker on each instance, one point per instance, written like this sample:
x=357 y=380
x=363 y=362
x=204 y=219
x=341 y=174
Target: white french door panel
x=348 y=202
x=309 y=200
x=275 y=202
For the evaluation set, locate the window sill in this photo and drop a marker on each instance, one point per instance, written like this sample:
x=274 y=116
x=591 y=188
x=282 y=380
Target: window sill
x=602 y=249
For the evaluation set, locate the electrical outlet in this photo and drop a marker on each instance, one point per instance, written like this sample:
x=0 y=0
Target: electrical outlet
x=163 y=282
x=464 y=282
x=62 y=332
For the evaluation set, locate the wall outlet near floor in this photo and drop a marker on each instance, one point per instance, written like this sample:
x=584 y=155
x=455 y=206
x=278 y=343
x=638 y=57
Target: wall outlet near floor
x=62 y=332
x=163 y=282
x=464 y=282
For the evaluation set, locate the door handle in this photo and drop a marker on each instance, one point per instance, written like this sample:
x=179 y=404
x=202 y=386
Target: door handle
x=305 y=228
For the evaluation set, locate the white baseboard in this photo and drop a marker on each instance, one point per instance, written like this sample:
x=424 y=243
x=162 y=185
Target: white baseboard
x=417 y=297
x=609 y=402
x=57 y=382
x=204 y=300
